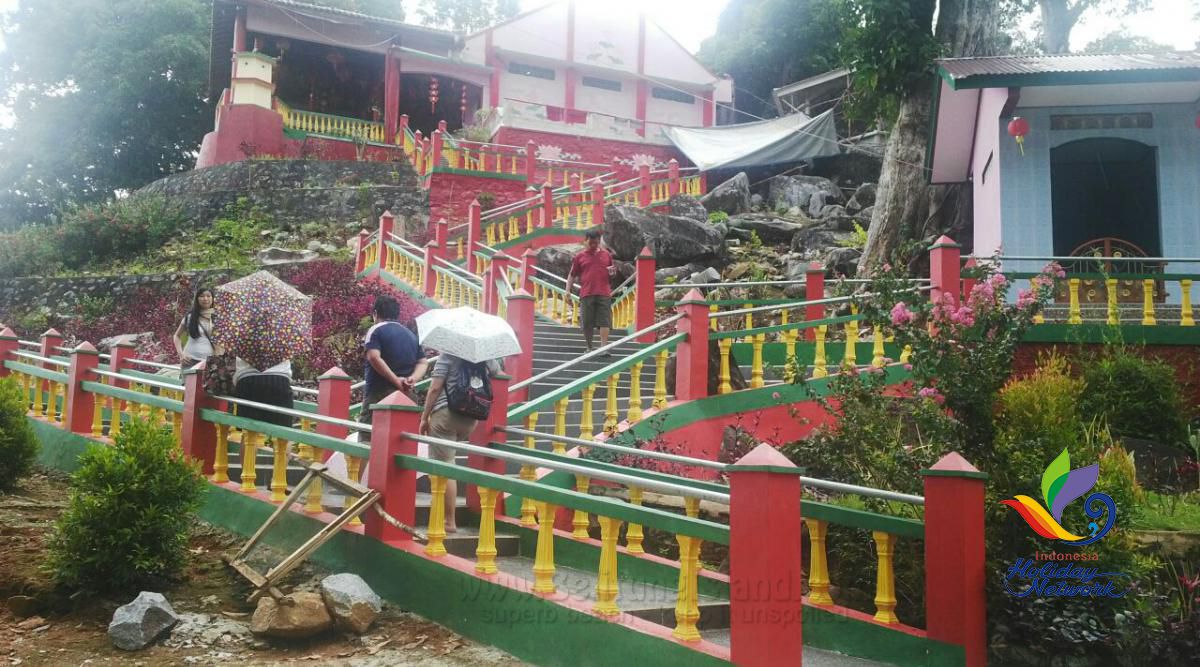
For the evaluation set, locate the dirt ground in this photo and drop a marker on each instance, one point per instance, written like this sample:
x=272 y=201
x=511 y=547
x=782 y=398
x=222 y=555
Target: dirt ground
x=43 y=626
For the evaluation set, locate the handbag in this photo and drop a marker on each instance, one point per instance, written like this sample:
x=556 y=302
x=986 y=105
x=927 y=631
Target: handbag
x=218 y=374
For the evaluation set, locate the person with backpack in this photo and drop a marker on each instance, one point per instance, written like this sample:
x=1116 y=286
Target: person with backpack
x=460 y=395
x=395 y=360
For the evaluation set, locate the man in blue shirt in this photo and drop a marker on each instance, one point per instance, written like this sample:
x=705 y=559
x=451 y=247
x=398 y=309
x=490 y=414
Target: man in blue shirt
x=395 y=360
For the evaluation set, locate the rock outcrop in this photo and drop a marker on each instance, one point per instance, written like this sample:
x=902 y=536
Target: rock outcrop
x=674 y=240
x=732 y=196
x=136 y=624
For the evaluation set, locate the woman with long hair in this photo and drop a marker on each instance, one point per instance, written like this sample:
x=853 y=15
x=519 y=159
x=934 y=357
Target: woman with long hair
x=197 y=325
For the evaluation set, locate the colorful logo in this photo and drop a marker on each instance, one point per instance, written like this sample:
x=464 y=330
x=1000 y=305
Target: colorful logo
x=1060 y=487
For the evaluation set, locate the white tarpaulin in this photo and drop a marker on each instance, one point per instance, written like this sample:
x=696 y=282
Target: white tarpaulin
x=788 y=139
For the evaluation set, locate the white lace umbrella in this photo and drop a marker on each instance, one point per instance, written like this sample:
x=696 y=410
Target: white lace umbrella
x=467 y=333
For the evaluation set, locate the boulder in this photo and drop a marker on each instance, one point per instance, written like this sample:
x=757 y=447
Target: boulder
x=812 y=238
x=302 y=614
x=842 y=261
x=816 y=203
x=679 y=273
x=351 y=601
x=830 y=211
x=557 y=258
x=732 y=196
x=768 y=228
x=138 y=340
x=796 y=268
x=708 y=275
x=687 y=206
x=789 y=191
x=866 y=214
x=756 y=201
x=674 y=240
x=863 y=197
x=277 y=255
x=140 y=622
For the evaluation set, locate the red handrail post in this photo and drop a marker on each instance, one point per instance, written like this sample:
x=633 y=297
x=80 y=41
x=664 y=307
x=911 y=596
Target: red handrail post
x=530 y=163
x=644 y=197
x=333 y=400
x=387 y=225
x=474 y=232
x=436 y=156
x=441 y=236
x=814 y=290
x=199 y=437
x=80 y=404
x=521 y=317
x=9 y=344
x=360 y=255
x=528 y=268
x=945 y=272
x=391 y=420
x=430 y=280
x=644 y=293
x=597 y=204
x=691 y=368
x=765 y=557
x=673 y=175
x=547 y=205
x=50 y=340
x=955 y=604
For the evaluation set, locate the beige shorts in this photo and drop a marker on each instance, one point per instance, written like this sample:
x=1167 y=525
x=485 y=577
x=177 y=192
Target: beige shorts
x=448 y=425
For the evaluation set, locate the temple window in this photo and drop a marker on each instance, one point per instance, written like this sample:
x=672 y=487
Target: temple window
x=531 y=70
x=606 y=84
x=672 y=95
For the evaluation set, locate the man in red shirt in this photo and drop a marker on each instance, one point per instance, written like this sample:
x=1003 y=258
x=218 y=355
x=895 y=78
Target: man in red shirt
x=593 y=265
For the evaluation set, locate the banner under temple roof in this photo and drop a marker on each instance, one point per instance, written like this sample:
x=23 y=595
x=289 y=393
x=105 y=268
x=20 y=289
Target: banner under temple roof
x=780 y=140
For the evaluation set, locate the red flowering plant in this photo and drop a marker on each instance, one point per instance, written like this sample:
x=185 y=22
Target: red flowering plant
x=962 y=349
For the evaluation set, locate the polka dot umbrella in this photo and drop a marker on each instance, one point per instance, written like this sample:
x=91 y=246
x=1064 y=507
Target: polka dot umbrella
x=262 y=319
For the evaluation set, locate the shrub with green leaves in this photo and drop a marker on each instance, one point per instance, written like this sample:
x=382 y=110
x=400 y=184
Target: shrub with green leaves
x=718 y=216
x=1136 y=397
x=1037 y=417
x=18 y=445
x=131 y=506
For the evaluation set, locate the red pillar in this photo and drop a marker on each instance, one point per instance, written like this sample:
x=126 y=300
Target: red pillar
x=691 y=368
x=80 y=404
x=8 y=345
x=387 y=226
x=673 y=174
x=199 y=437
x=333 y=400
x=402 y=129
x=360 y=256
x=955 y=610
x=391 y=418
x=50 y=340
x=436 y=155
x=431 y=251
x=644 y=294
x=547 y=205
x=441 y=236
x=644 y=185
x=530 y=163
x=944 y=269
x=474 y=232
x=706 y=113
x=597 y=204
x=391 y=96
x=528 y=269
x=968 y=284
x=814 y=290
x=521 y=318
x=765 y=558
x=496 y=272
x=483 y=436
x=239 y=30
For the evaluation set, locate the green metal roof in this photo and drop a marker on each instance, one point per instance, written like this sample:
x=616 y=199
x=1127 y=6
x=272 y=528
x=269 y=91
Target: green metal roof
x=1069 y=69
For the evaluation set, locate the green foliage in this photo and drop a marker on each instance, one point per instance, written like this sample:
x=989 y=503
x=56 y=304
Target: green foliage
x=117 y=105
x=755 y=242
x=889 y=46
x=1122 y=41
x=18 y=446
x=466 y=15
x=127 y=521
x=1036 y=418
x=1136 y=396
x=858 y=238
x=717 y=217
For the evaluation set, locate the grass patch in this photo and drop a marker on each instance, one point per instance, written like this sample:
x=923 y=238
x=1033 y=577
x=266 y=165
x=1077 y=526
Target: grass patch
x=1170 y=512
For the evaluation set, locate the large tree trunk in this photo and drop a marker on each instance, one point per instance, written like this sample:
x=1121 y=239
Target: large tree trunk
x=902 y=203
x=1058 y=19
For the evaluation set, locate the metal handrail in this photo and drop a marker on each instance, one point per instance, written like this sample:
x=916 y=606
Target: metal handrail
x=136 y=380
x=842 y=487
x=451 y=267
x=797 y=304
x=41 y=359
x=650 y=454
x=596 y=352
x=474 y=285
x=592 y=473
x=30 y=343
x=152 y=364
x=747 y=283
x=306 y=391
x=298 y=414
x=1099 y=258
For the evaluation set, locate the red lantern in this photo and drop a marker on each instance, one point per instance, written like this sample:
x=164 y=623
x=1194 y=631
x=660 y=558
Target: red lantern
x=1198 y=120
x=433 y=93
x=1019 y=127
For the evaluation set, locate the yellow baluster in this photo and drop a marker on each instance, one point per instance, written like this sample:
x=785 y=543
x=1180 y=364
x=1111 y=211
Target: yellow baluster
x=115 y=413
x=249 y=457
x=851 y=353
x=312 y=504
x=1186 y=319
x=353 y=470
x=580 y=520
x=606 y=582
x=819 y=362
x=712 y=321
x=877 y=350
x=789 y=338
x=1075 y=316
x=98 y=413
x=1114 y=314
x=461 y=254
x=610 y=405
x=660 y=380
x=279 y=471
x=885 y=580
x=560 y=424
x=687 y=610
x=485 y=552
x=543 y=562
x=726 y=385
x=1148 y=303
x=574 y=311
x=635 y=394
x=587 y=428
x=177 y=425
x=756 y=364
x=906 y=354
x=633 y=535
x=56 y=407
x=437 y=517
x=1038 y=317
x=818 y=577
x=38 y=399
x=749 y=318
x=529 y=474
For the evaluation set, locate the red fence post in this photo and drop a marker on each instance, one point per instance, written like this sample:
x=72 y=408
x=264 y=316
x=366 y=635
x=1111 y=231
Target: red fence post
x=387 y=225
x=80 y=404
x=333 y=400
x=402 y=131
x=483 y=436
x=521 y=317
x=691 y=367
x=528 y=268
x=955 y=607
x=436 y=150
x=441 y=236
x=431 y=252
x=9 y=343
x=530 y=163
x=360 y=254
x=673 y=174
x=597 y=203
x=765 y=558
x=199 y=437
x=644 y=197
x=944 y=269
x=391 y=419
x=50 y=340
x=547 y=205
x=644 y=294
x=814 y=290
x=474 y=232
